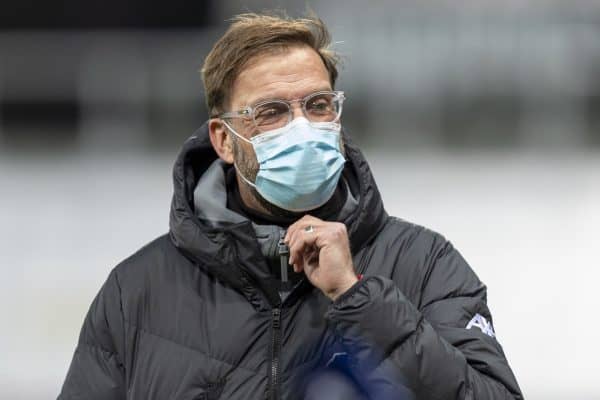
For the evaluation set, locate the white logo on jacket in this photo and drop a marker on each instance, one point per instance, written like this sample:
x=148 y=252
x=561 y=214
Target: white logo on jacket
x=480 y=322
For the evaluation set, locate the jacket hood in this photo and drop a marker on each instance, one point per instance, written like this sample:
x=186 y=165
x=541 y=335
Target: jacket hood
x=225 y=247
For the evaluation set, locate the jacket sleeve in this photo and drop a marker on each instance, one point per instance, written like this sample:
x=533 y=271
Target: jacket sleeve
x=444 y=348
x=96 y=371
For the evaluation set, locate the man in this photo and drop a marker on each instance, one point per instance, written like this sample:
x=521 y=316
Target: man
x=282 y=276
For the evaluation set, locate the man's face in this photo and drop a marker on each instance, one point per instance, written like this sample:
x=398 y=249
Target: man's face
x=287 y=74
x=290 y=74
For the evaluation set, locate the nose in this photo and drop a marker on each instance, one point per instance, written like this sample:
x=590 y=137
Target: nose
x=296 y=107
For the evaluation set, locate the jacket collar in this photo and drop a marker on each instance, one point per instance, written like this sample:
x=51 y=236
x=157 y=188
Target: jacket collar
x=229 y=247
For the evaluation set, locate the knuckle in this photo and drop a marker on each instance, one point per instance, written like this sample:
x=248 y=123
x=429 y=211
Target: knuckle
x=339 y=230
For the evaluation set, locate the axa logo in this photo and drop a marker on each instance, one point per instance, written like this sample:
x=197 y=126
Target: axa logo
x=478 y=321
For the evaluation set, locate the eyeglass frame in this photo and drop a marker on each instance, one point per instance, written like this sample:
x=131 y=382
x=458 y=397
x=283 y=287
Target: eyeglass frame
x=248 y=111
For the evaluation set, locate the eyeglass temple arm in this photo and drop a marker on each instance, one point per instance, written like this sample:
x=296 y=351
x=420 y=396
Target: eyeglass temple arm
x=234 y=114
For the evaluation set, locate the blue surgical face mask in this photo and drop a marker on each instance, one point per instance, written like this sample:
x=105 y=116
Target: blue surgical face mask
x=299 y=164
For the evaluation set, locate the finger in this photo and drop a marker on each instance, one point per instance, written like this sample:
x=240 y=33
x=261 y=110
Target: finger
x=311 y=260
x=306 y=236
x=307 y=230
x=301 y=239
x=291 y=230
x=301 y=224
x=297 y=246
x=298 y=265
x=307 y=260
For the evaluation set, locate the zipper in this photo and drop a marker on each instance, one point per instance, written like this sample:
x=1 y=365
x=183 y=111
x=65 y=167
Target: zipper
x=275 y=353
x=284 y=253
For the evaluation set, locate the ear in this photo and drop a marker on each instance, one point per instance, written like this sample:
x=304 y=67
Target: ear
x=221 y=140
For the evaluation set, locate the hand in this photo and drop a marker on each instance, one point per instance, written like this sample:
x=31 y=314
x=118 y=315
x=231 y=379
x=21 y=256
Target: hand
x=321 y=249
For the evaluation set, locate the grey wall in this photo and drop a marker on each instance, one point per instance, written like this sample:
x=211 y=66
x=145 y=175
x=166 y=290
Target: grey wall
x=480 y=120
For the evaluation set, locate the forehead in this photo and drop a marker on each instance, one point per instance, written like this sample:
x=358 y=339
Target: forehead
x=286 y=74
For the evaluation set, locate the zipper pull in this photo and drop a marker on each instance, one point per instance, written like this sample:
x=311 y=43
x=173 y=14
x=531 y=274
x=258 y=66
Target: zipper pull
x=276 y=318
x=284 y=252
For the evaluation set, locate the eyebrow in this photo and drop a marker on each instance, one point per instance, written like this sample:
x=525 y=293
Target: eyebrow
x=271 y=97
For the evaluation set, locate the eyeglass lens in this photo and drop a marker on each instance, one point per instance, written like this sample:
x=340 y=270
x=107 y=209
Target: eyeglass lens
x=321 y=107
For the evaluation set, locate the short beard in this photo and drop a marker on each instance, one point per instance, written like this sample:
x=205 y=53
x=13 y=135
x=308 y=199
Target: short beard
x=248 y=167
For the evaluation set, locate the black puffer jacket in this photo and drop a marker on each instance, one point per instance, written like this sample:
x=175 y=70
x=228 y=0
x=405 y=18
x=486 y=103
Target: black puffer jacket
x=193 y=315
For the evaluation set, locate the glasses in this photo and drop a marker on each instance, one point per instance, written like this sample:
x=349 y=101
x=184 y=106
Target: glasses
x=323 y=106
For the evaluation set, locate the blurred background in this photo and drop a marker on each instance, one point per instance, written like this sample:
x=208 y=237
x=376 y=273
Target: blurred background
x=481 y=120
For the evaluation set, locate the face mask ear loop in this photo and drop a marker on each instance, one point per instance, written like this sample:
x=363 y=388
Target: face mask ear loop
x=237 y=170
x=230 y=129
